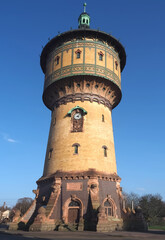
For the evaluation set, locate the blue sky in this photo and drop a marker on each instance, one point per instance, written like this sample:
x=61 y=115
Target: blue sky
x=138 y=120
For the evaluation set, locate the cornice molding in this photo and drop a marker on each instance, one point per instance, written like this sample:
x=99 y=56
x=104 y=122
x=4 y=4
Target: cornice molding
x=91 y=173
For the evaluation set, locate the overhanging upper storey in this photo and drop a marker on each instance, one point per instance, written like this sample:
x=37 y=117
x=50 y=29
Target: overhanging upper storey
x=83 y=35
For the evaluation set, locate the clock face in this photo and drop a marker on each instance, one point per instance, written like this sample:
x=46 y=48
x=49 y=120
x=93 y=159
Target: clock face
x=77 y=116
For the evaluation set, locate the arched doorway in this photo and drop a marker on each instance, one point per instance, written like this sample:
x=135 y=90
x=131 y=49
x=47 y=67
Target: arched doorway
x=73 y=212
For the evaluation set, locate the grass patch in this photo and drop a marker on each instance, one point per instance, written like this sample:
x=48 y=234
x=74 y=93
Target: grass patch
x=158 y=227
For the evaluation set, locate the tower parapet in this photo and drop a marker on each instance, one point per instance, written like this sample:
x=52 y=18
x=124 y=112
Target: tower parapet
x=83 y=54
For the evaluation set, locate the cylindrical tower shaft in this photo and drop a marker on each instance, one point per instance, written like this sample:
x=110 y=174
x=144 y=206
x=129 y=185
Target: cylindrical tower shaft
x=95 y=140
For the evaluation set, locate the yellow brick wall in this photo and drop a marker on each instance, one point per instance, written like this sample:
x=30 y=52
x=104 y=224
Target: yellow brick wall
x=110 y=61
x=95 y=134
x=90 y=55
x=67 y=57
x=89 y=59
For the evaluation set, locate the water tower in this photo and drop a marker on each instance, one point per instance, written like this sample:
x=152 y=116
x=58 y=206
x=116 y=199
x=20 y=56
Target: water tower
x=80 y=187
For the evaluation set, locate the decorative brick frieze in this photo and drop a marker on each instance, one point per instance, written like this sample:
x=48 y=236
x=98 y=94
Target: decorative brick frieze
x=80 y=175
x=82 y=88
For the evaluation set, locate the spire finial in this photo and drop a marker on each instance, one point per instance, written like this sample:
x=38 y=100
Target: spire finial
x=84 y=7
x=84 y=19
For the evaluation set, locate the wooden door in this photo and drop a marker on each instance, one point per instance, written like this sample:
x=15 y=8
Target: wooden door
x=73 y=215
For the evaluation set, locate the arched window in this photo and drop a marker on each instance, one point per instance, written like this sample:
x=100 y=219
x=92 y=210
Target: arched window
x=102 y=117
x=108 y=208
x=116 y=65
x=50 y=153
x=100 y=56
x=76 y=146
x=105 y=150
x=78 y=53
x=57 y=60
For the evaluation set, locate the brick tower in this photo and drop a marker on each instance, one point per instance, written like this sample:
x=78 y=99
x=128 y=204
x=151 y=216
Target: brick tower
x=80 y=188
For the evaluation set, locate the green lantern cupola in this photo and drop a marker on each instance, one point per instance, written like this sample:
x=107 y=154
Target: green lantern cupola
x=84 y=19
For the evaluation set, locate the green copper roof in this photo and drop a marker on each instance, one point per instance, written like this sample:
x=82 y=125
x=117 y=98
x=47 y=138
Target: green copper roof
x=77 y=107
x=84 y=19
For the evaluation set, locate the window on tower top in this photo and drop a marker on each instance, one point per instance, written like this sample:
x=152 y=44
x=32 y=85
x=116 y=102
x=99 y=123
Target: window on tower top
x=84 y=20
x=57 y=60
x=101 y=56
x=116 y=65
x=78 y=53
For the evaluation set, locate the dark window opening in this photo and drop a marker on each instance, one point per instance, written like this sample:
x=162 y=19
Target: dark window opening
x=102 y=118
x=50 y=153
x=76 y=149
x=76 y=146
x=105 y=151
x=78 y=55
x=84 y=20
x=57 y=59
x=100 y=57
x=87 y=21
x=116 y=65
